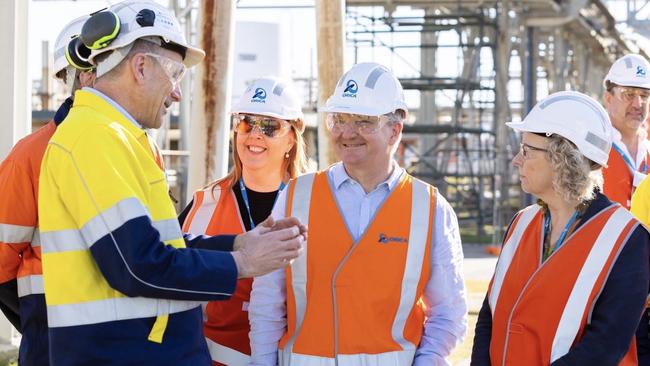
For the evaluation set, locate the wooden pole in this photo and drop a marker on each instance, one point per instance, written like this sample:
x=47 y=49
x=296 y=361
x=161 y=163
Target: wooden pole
x=210 y=125
x=330 y=42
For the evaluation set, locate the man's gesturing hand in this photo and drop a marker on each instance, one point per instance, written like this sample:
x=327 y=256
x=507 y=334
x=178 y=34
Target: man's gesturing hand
x=270 y=246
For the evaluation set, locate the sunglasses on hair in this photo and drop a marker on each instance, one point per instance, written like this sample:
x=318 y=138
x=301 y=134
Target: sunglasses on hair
x=269 y=126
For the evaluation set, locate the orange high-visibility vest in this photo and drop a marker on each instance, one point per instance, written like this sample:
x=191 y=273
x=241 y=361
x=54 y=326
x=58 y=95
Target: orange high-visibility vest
x=539 y=310
x=358 y=301
x=618 y=180
x=215 y=212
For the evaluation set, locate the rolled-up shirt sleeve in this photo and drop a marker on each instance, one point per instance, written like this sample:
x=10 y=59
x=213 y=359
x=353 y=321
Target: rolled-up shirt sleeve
x=444 y=295
x=267 y=311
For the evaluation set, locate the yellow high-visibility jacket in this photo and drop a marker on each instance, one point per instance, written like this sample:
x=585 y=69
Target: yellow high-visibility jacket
x=120 y=286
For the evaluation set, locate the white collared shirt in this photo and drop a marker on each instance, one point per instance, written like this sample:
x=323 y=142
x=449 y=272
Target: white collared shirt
x=444 y=294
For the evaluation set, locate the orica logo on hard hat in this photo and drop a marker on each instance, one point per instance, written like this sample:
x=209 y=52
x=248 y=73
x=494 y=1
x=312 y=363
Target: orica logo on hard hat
x=640 y=71
x=259 y=96
x=351 y=89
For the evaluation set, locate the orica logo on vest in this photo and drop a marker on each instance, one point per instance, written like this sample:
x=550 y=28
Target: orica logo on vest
x=351 y=89
x=640 y=71
x=385 y=239
x=259 y=96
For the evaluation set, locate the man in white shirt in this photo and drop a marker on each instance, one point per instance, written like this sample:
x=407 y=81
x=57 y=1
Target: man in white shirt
x=627 y=95
x=380 y=281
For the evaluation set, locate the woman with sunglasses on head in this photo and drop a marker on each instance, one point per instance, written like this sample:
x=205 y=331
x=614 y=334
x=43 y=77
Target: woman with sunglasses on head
x=268 y=150
x=572 y=278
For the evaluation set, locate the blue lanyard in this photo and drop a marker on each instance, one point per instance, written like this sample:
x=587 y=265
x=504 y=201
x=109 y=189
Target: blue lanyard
x=560 y=240
x=244 y=195
x=629 y=162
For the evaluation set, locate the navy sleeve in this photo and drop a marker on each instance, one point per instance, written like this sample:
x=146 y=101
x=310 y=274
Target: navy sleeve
x=220 y=242
x=482 y=336
x=136 y=262
x=618 y=309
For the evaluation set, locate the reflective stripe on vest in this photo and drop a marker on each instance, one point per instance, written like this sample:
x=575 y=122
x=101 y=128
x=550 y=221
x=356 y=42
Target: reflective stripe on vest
x=14 y=234
x=121 y=308
x=300 y=209
x=206 y=201
x=36 y=238
x=30 y=285
x=577 y=304
x=225 y=355
x=420 y=202
x=395 y=358
x=508 y=252
x=420 y=219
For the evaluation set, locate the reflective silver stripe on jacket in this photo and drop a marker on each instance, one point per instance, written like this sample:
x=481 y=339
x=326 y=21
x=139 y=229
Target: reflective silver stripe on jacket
x=15 y=234
x=102 y=224
x=122 y=308
x=30 y=285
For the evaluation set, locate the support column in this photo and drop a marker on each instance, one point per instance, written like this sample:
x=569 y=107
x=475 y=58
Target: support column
x=210 y=133
x=428 y=112
x=501 y=113
x=330 y=42
x=15 y=91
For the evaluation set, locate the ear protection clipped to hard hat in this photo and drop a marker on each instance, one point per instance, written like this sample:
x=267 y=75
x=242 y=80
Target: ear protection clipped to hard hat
x=100 y=29
x=77 y=54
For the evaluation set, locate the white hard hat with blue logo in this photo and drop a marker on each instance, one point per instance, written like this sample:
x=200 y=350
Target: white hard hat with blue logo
x=273 y=97
x=575 y=116
x=369 y=89
x=630 y=70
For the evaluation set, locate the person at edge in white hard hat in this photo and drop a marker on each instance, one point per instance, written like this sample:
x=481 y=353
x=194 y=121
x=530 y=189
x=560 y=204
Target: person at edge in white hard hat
x=380 y=281
x=267 y=150
x=121 y=287
x=21 y=282
x=572 y=278
x=627 y=96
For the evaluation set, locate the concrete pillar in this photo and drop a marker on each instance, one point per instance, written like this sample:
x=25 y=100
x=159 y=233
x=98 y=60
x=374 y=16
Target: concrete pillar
x=16 y=87
x=330 y=42
x=210 y=132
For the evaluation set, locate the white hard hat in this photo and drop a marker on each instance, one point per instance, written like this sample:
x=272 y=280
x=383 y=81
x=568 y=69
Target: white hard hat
x=576 y=117
x=70 y=31
x=270 y=96
x=630 y=70
x=130 y=20
x=369 y=89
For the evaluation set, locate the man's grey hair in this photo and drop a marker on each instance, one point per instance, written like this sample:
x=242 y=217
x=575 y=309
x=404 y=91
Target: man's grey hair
x=139 y=46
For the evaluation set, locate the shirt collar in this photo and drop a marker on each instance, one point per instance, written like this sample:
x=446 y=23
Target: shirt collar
x=114 y=104
x=340 y=176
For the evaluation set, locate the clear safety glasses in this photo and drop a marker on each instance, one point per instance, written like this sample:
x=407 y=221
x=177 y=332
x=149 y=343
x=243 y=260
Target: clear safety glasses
x=269 y=126
x=173 y=69
x=365 y=125
x=627 y=94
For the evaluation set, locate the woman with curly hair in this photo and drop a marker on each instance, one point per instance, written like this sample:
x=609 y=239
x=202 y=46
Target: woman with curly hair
x=268 y=150
x=572 y=278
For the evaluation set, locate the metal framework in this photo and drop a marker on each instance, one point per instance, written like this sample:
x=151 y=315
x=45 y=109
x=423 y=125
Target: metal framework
x=480 y=65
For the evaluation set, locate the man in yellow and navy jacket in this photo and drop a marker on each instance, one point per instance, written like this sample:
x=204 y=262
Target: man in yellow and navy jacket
x=21 y=281
x=121 y=287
